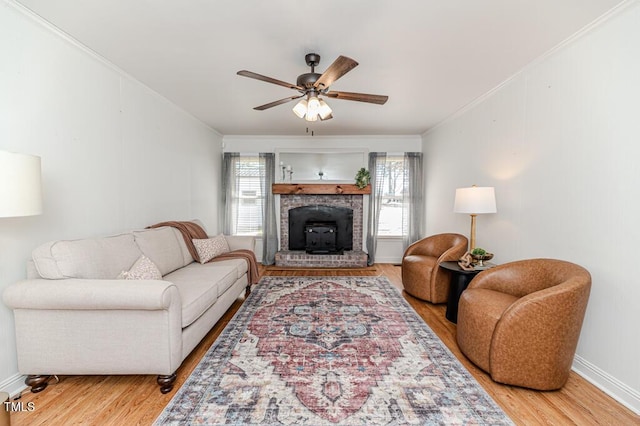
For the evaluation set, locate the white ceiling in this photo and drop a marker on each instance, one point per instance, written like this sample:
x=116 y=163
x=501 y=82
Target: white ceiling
x=431 y=57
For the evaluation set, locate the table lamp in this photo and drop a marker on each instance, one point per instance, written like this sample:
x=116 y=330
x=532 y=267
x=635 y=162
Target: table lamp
x=20 y=185
x=474 y=201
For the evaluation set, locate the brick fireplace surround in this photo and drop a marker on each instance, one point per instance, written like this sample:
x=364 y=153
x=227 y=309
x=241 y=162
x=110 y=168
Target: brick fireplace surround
x=298 y=195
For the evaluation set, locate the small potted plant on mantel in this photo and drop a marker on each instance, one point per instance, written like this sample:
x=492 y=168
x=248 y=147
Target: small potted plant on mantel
x=362 y=178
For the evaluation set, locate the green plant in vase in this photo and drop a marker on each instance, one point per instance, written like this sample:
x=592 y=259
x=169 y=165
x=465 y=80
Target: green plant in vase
x=480 y=255
x=362 y=178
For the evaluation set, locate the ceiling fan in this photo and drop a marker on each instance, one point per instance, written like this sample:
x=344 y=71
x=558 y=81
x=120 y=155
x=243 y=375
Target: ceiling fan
x=313 y=85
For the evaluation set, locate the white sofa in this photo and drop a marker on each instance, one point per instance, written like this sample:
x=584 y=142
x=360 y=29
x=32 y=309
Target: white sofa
x=73 y=317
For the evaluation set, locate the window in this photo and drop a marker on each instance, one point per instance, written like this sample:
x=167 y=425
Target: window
x=247 y=210
x=390 y=223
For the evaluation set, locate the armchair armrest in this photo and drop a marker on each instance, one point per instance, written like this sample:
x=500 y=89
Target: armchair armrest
x=500 y=278
x=91 y=294
x=525 y=277
x=516 y=278
x=451 y=246
x=420 y=248
x=453 y=254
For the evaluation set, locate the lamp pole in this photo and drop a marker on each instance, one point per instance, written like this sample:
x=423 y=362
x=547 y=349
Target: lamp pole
x=472 y=241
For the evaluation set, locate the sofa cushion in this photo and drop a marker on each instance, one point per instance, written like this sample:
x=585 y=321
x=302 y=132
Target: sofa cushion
x=199 y=287
x=186 y=256
x=97 y=258
x=143 y=269
x=240 y=265
x=163 y=246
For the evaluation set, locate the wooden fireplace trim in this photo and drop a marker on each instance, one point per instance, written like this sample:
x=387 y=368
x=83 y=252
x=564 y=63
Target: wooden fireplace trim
x=319 y=188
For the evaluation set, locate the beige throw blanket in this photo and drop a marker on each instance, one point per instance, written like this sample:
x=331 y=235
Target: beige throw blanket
x=191 y=231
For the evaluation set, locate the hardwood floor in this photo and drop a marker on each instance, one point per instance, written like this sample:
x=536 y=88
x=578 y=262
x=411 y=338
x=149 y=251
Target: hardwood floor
x=136 y=400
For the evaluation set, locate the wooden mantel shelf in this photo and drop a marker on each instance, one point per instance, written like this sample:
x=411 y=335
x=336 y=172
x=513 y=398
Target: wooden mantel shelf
x=319 y=188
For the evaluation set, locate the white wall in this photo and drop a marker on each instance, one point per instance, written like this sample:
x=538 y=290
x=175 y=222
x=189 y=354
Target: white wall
x=291 y=143
x=389 y=249
x=115 y=155
x=561 y=142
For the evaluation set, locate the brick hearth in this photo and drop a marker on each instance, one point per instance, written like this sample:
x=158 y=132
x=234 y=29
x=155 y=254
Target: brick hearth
x=349 y=259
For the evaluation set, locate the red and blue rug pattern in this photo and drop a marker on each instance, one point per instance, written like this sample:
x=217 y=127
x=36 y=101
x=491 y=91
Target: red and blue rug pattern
x=329 y=351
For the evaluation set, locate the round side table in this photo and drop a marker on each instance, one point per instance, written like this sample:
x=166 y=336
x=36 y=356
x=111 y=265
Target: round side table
x=460 y=279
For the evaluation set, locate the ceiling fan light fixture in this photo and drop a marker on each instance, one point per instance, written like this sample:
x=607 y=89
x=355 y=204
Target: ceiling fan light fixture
x=301 y=108
x=313 y=105
x=311 y=116
x=324 y=111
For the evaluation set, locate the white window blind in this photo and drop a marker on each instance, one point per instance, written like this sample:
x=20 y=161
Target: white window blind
x=390 y=222
x=249 y=198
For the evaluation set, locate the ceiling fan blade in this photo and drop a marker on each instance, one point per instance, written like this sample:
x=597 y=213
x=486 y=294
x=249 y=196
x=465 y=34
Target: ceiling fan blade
x=360 y=97
x=276 y=103
x=261 y=77
x=337 y=69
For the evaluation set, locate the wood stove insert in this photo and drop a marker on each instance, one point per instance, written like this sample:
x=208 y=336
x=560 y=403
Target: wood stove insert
x=321 y=229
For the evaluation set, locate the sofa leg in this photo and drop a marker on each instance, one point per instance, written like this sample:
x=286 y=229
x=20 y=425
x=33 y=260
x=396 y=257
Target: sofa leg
x=166 y=382
x=37 y=382
x=247 y=291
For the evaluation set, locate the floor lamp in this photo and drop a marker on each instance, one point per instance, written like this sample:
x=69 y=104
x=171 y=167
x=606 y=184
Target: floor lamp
x=20 y=195
x=474 y=201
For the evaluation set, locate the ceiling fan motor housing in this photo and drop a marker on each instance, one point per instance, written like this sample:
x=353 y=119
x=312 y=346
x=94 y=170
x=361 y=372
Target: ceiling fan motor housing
x=312 y=59
x=307 y=80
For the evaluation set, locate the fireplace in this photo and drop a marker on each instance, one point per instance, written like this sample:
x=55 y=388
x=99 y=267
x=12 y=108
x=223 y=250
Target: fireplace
x=328 y=201
x=304 y=220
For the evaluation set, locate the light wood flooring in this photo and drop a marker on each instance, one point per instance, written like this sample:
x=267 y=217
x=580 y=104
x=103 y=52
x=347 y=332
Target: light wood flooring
x=136 y=400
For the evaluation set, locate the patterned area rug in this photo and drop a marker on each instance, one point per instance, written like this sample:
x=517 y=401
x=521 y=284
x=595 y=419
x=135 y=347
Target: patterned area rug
x=327 y=351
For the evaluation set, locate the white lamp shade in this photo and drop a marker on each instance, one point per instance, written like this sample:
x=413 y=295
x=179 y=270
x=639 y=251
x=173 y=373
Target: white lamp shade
x=313 y=108
x=20 y=185
x=475 y=200
x=311 y=116
x=301 y=108
x=313 y=105
x=325 y=111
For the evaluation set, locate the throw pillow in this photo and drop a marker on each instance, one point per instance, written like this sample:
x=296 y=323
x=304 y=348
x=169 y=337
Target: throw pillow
x=211 y=247
x=143 y=269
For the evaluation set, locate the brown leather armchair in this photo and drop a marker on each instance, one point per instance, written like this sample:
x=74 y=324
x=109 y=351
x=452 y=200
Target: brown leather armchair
x=421 y=276
x=520 y=321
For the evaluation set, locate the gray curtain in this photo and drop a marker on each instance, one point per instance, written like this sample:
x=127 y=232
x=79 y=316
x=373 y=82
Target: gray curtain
x=412 y=207
x=229 y=192
x=377 y=166
x=269 y=226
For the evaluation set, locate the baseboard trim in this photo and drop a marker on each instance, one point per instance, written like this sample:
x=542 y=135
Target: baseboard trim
x=394 y=260
x=14 y=385
x=608 y=384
